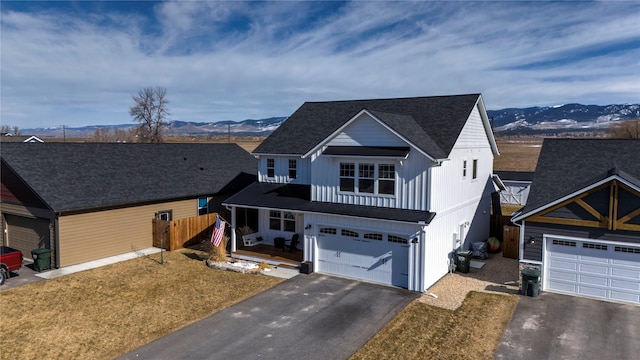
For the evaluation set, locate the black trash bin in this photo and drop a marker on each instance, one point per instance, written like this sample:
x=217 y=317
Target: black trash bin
x=41 y=259
x=530 y=282
x=463 y=260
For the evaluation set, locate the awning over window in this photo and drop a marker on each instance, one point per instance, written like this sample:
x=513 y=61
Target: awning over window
x=382 y=151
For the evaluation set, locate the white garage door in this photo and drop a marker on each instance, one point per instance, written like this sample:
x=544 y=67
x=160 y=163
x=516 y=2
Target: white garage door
x=595 y=269
x=374 y=257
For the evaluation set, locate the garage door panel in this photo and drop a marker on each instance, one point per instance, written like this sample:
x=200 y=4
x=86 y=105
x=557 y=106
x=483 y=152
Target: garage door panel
x=595 y=260
x=625 y=285
x=563 y=276
x=593 y=269
x=593 y=280
x=592 y=292
x=563 y=265
x=629 y=274
x=625 y=297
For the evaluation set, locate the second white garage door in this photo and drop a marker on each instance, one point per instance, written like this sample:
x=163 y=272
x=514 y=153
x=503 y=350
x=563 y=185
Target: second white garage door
x=374 y=257
x=601 y=270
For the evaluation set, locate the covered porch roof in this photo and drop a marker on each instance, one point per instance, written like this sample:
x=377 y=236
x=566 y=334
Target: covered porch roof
x=295 y=197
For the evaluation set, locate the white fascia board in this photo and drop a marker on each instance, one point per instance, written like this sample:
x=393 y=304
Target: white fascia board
x=487 y=125
x=574 y=194
x=271 y=154
x=362 y=112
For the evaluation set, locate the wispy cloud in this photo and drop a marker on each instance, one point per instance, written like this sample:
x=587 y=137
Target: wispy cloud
x=236 y=60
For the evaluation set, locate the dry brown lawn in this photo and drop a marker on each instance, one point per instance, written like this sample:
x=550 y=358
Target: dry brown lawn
x=422 y=331
x=517 y=154
x=106 y=312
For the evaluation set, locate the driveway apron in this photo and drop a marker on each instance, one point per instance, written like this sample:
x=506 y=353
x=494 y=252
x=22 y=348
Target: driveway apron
x=555 y=326
x=311 y=316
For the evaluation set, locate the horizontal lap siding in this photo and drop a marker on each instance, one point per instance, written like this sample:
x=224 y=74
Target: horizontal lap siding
x=91 y=236
x=537 y=230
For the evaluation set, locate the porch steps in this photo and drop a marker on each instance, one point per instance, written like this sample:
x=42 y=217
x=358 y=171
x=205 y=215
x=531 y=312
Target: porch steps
x=271 y=260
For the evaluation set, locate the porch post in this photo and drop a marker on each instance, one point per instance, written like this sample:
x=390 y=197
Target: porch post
x=233 y=229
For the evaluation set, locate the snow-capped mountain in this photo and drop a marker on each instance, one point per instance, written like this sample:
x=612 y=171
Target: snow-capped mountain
x=566 y=117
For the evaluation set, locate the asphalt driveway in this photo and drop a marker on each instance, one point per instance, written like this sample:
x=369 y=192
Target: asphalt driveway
x=555 y=326
x=308 y=316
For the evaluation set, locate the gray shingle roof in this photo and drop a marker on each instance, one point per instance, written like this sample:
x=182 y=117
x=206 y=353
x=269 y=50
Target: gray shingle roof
x=297 y=198
x=431 y=123
x=566 y=166
x=83 y=176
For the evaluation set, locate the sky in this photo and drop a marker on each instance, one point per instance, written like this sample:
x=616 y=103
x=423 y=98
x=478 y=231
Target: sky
x=79 y=63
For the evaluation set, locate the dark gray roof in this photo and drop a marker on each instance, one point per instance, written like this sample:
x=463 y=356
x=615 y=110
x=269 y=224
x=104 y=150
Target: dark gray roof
x=431 y=123
x=515 y=175
x=83 y=176
x=297 y=198
x=566 y=166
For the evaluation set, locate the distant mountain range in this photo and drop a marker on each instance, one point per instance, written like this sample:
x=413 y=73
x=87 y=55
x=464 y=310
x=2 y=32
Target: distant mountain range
x=560 y=118
x=517 y=121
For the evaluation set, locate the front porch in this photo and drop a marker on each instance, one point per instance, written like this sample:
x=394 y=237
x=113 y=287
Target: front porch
x=269 y=254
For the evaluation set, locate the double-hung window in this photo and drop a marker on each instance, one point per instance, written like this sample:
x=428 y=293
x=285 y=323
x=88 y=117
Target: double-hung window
x=271 y=168
x=464 y=169
x=347 y=177
x=369 y=179
x=366 y=178
x=293 y=168
x=386 y=179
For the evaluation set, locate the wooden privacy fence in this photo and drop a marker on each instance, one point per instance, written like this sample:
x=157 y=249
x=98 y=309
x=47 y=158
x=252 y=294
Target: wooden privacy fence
x=177 y=234
x=507 y=233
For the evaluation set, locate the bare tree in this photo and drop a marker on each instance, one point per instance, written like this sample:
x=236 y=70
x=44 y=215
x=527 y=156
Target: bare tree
x=629 y=129
x=150 y=111
x=16 y=131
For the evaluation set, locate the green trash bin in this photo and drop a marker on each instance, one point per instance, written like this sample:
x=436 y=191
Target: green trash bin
x=530 y=282
x=41 y=259
x=463 y=260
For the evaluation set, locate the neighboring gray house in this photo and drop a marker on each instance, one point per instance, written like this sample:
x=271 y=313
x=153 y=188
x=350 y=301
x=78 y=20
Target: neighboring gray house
x=87 y=201
x=581 y=223
x=378 y=190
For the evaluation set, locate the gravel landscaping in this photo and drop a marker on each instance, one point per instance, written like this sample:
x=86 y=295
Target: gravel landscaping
x=452 y=289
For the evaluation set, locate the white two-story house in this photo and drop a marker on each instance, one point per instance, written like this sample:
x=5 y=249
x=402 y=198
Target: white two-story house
x=378 y=190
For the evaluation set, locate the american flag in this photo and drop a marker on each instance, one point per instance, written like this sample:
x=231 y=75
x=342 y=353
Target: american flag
x=218 y=232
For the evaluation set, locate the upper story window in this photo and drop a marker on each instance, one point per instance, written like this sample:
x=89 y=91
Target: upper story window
x=293 y=168
x=474 y=173
x=366 y=178
x=370 y=178
x=386 y=179
x=347 y=177
x=464 y=169
x=271 y=168
x=203 y=205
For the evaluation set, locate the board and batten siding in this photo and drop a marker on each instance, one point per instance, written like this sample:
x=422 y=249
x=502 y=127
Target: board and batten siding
x=281 y=170
x=449 y=187
x=411 y=176
x=535 y=230
x=90 y=236
x=466 y=224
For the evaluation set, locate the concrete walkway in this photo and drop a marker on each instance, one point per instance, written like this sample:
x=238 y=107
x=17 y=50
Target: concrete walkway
x=97 y=263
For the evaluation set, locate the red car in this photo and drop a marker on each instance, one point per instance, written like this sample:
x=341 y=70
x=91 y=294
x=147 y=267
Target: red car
x=10 y=260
